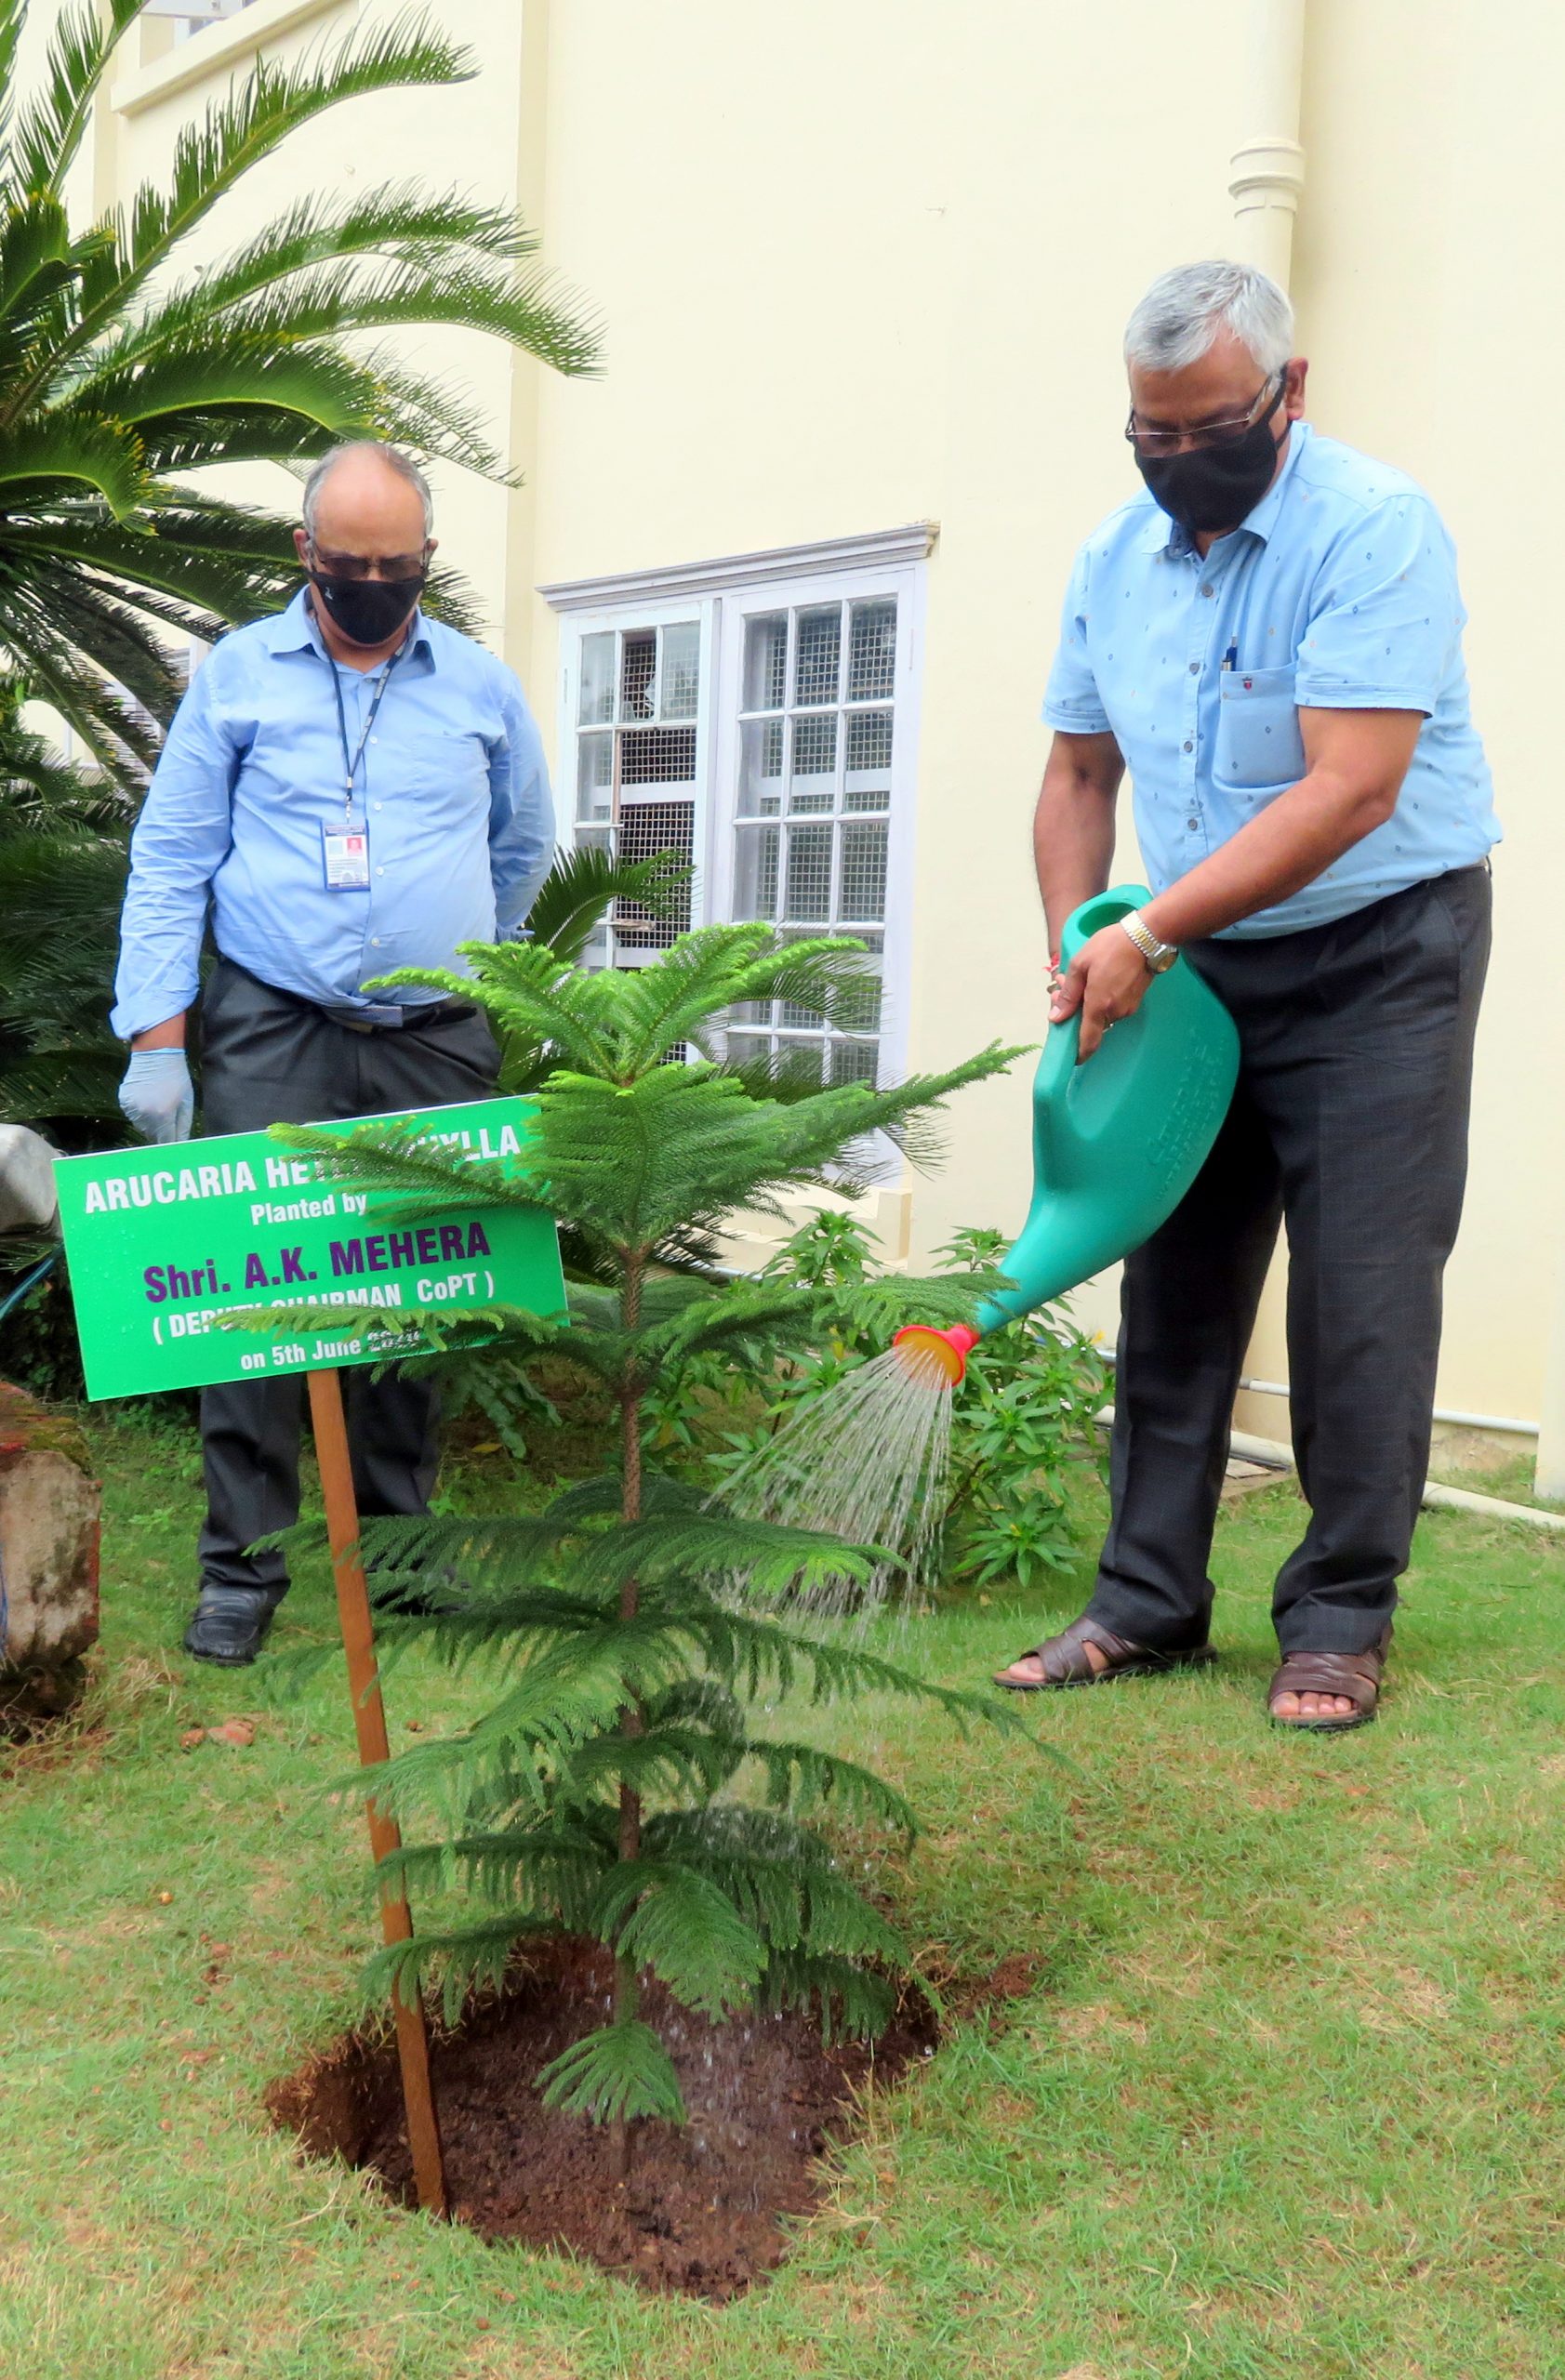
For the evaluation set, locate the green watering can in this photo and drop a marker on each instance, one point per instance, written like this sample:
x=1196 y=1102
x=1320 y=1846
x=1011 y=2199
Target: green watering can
x=1116 y=1142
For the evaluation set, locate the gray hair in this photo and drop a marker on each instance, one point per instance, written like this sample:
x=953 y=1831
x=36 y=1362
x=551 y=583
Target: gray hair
x=393 y=457
x=1185 y=310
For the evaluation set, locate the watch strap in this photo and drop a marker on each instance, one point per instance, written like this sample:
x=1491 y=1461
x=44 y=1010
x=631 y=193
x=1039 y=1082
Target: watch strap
x=1158 y=954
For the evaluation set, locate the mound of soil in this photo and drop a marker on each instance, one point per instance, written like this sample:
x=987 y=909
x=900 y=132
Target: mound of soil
x=707 y=2203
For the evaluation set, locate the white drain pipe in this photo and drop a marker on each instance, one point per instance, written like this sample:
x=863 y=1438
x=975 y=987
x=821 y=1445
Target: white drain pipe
x=1436 y=1497
x=1267 y=171
x=1506 y=1423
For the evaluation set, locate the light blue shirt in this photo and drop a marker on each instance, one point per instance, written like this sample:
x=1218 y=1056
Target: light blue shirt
x=1339 y=592
x=453 y=790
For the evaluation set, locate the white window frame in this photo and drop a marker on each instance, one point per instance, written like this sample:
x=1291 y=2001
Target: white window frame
x=721 y=593
x=802 y=593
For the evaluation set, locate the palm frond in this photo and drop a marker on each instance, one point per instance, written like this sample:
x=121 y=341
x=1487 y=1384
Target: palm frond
x=46 y=136
x=237 y=133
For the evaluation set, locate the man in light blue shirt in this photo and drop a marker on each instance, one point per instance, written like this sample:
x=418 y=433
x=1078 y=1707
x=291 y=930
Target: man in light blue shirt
x=347 y=788
x=1268 y=636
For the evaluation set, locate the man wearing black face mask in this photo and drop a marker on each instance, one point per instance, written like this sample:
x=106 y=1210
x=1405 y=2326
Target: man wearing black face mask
x=1269 y=637
x=348 y=788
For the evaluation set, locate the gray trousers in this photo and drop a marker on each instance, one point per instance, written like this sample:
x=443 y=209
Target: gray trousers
x=1350 y=1125
x=270 y=1059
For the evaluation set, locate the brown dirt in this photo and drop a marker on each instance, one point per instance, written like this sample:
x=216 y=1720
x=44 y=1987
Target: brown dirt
x=707 y=2202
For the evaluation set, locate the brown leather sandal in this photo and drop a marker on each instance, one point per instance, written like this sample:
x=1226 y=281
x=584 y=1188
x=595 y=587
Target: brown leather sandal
x=1356 y=1675
x=1064 y=1660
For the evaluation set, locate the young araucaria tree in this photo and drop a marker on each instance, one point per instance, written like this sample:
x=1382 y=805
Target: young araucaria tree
x=618 y=1787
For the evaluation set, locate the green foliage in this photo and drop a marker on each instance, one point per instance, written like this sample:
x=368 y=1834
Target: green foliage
x=63 y=862
x=622 y=1783
x=121 y=371
x=1022 y=1424
x=1023 y=1429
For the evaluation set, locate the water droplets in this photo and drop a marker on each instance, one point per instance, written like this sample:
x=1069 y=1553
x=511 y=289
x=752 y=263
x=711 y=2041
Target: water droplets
x=867 y=1462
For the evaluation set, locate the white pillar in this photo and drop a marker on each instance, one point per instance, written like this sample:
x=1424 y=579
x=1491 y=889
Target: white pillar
x=1268 y=167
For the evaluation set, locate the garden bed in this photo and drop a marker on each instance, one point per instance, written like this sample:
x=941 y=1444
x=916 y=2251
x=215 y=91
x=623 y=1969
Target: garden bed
x=707 y=2206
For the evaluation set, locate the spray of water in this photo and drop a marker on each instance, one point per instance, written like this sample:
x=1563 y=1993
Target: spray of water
x=866 y=1462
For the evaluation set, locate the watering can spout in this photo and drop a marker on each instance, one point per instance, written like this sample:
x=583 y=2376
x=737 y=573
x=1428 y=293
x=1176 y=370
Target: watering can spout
x=943 y=1354
x=1117 y=1142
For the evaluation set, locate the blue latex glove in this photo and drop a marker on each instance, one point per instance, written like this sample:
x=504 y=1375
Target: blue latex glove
x=157 y=1094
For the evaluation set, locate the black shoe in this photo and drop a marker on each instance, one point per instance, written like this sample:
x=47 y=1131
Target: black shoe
x=230 y=1624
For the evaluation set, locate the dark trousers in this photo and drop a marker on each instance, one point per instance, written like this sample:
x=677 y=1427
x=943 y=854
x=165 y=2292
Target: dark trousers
x=267 y=1059
x=1349 y=1124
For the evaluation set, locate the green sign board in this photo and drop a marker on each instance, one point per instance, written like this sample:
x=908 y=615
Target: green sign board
x=164 y=1240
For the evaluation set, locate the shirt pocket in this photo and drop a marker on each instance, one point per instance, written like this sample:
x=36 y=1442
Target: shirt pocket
x=453 y=760
x=1259 y=745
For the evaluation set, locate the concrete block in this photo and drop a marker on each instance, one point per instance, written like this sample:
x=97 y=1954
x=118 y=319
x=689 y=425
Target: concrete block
x=49 y=1503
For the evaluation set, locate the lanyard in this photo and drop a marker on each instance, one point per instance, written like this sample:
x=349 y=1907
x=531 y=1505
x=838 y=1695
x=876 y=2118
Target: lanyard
x=350 y=760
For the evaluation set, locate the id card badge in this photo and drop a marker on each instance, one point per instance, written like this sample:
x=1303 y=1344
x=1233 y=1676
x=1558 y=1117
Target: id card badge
x=346 y=853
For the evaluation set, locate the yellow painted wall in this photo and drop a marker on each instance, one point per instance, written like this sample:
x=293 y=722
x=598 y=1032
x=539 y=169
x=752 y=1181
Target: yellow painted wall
x=867 y=261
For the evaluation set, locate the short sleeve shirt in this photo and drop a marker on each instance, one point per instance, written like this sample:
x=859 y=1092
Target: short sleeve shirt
x=1338 y=592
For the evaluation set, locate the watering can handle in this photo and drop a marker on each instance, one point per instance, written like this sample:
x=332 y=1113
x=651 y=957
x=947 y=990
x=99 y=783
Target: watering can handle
x=1094 y=915
x=1058 y=1062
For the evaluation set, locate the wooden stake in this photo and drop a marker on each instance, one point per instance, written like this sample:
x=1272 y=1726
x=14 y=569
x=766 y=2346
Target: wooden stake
x=370 y=1721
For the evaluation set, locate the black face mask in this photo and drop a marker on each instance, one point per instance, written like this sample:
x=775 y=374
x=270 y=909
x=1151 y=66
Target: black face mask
x=1215 y=487
x=368 y=610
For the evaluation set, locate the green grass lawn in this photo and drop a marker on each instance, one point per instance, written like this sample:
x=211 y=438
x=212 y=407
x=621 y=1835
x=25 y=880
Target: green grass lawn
x=1285 y=2097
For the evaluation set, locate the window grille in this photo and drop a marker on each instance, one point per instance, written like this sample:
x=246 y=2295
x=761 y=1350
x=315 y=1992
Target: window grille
x=638 y=708
x=813 y=812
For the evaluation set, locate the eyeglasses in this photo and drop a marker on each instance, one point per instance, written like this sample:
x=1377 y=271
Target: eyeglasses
x=1209 y=433
x=335 y=566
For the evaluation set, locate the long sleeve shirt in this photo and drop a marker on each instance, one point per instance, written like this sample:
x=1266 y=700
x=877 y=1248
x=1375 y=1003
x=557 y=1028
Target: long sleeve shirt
x=1337 y=593
x=452 y=793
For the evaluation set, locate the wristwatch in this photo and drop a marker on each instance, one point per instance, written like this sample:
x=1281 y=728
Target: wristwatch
x=1160 y=955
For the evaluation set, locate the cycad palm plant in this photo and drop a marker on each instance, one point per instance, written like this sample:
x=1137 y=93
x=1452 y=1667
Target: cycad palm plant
x=634 y=1625
x=120 y=375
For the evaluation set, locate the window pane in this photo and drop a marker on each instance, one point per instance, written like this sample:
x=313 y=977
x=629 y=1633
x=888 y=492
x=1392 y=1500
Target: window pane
x=647 y=829
x=681 y=670
x=755 y=872
x=638 y=673
x=594 y=780
x=814 y=666
x=871 y=650
x=859 y=1008
x=853 y=1062
x=745 y=1047
x=766 y=662
x=868 y=742
x=597 y=678
x=864 y=871
x=657 y=756
x=808 y=897
x=812 y=783
x=760 y=768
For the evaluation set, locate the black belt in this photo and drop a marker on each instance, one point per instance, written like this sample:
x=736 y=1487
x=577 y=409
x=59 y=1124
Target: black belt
x=383 y=1020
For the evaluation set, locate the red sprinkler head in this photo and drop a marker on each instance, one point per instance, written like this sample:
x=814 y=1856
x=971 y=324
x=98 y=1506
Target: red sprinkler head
x=935 y=1355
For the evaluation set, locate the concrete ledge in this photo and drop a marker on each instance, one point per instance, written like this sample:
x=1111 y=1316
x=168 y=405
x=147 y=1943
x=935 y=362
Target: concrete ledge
x=213 y=54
